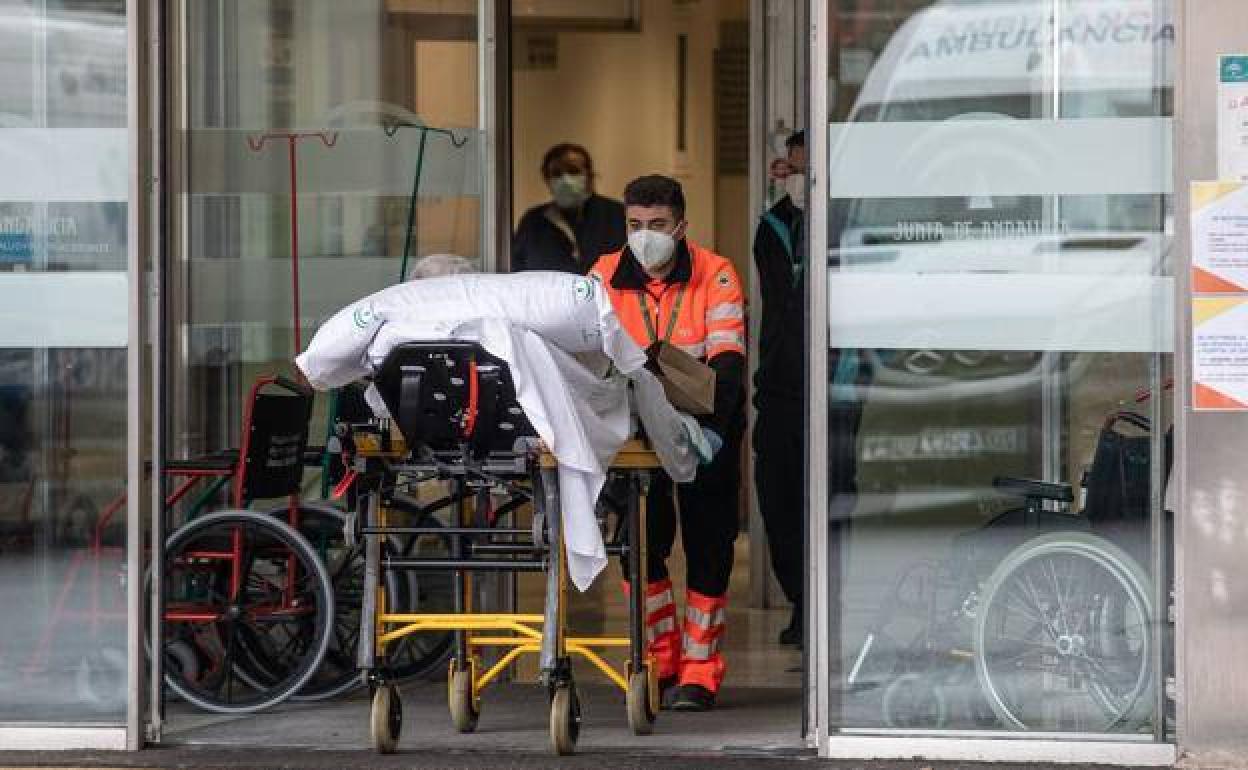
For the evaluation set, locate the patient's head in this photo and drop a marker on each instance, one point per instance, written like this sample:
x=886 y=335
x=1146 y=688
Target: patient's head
x=438 y=265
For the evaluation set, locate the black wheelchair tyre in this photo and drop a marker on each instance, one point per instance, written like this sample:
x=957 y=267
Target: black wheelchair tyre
x=263 y=679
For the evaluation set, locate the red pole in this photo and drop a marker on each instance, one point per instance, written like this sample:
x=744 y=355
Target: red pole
x=294 y=239
x=256 y=144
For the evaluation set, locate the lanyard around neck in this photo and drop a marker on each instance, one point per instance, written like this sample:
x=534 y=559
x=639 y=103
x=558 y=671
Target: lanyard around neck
x=671 y=322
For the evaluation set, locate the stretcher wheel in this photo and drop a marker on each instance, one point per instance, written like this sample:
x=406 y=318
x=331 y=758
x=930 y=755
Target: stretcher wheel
x=385 y=721
x=640 y=708
x=465 y=710
x=565 y=720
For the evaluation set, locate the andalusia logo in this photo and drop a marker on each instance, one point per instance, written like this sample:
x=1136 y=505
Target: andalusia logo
x=363 y=316
x=584 y=290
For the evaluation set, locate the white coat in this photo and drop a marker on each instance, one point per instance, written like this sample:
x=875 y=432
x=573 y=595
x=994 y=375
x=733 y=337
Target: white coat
x=535 y=322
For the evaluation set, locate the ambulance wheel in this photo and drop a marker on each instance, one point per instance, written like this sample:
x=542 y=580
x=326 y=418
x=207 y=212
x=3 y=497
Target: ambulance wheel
x=565 y=720
x=465 y=710
x=640 y=709
x=385 y=721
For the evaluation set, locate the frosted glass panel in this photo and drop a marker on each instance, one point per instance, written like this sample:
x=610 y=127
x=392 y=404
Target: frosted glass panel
x=1001 y=321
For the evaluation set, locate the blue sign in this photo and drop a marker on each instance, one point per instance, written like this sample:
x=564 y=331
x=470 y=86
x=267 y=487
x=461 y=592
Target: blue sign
x=1233 y=69
x=16 y=249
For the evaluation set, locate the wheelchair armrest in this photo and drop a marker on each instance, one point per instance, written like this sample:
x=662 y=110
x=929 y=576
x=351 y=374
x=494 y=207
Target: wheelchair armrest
x=1031 y=488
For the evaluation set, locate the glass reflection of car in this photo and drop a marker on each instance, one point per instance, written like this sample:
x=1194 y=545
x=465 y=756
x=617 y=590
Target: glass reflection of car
x=987 y=61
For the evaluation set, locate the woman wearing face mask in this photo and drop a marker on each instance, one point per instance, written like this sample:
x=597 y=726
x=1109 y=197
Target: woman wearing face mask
x=576 y=226
x=665 y=288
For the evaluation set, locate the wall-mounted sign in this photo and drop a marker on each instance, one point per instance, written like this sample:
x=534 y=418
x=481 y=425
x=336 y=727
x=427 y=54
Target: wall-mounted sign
x=1220 y=353
x=1219 y=296
x=1233 y=118
x=1219 y=237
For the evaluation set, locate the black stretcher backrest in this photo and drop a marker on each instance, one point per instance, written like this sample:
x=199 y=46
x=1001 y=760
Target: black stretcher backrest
x=351 y=407
x=277 y=438
x=427 y=387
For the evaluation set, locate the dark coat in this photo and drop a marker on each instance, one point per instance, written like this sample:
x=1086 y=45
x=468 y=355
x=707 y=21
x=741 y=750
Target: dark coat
x=540 y=244
x=780 y=376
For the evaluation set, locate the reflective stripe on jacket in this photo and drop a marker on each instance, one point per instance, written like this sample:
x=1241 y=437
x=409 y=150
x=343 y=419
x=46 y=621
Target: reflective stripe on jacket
x=703 y=289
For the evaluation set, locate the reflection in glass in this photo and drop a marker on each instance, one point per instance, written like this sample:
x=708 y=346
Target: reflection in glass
x=62 y=404
x=385 y=163
x=1002 y=274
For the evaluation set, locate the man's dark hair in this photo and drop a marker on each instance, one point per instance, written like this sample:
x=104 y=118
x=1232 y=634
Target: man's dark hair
x=656 y=190
x=796 y=139
x=562 y=150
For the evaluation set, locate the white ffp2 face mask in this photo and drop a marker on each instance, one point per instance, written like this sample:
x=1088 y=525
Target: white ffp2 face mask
x=795 y=186
x=652 y=249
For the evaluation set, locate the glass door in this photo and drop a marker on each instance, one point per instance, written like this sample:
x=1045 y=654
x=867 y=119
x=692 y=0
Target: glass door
x=320 y=150
x=65 y=280
x=999 y=329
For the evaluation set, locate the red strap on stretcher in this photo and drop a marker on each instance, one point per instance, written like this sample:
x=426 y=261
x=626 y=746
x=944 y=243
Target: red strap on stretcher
x=341 y=487
x=470 y=419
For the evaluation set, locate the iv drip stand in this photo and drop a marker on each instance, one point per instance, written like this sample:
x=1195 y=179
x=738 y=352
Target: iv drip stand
x=392 y=129
x=292 y=139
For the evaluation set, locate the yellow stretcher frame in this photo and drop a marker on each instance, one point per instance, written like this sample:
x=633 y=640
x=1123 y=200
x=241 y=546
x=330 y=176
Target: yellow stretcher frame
x=522 y=633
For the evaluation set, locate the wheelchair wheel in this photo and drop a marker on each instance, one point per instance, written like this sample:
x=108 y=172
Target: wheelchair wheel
x=915 y=701
x=417 y=656
x=100 y=679
x=251 y=598
x=324 y=529
x=1063 y=639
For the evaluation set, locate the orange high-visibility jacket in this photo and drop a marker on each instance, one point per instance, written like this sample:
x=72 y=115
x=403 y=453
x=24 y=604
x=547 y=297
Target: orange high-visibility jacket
x=700 y=303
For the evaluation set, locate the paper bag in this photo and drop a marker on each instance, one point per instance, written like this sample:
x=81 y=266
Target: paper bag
x=687 y=382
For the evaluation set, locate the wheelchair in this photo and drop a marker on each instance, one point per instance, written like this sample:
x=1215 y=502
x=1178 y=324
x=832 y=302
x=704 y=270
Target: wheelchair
x=262 y=606
x=1040 y=620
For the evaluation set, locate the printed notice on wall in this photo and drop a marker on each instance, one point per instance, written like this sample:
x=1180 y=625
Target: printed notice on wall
x=1220 y=353
x=1219 y=296
x=1219 y=237
x=1233 y=118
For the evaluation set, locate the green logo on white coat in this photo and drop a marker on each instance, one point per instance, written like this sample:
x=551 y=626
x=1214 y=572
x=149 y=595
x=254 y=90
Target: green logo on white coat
x=584 y=289
x=363 y=317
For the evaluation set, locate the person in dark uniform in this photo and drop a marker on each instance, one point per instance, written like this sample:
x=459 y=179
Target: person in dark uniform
x=779 y=393
x=572 y=230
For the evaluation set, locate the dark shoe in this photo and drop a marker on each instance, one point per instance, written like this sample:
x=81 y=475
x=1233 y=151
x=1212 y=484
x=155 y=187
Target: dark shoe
x=667 y=691
x=793 y=634
x=693 y=697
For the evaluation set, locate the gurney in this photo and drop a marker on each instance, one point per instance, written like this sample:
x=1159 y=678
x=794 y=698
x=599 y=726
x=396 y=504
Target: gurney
x=578 y=376
x=453 y=415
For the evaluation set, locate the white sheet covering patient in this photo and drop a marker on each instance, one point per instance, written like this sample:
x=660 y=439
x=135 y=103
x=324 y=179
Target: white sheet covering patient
x=547 y=327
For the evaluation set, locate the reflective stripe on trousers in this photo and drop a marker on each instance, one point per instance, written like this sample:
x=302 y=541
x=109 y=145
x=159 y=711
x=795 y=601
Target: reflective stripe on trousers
x=702 y=663
x=665 y=626
x=662 y=629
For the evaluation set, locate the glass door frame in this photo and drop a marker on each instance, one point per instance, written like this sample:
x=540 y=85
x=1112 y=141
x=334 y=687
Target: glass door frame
x=821 y=706
x=159 y=117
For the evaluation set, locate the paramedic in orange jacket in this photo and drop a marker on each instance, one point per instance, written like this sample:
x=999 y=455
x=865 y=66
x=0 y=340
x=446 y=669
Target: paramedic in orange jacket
x=665 y=287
